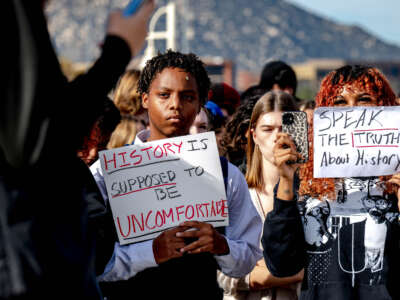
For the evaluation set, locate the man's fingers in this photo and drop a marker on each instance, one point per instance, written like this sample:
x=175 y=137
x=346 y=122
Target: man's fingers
x=189 y=234
x=174 y=230
x=171 y=234
x=200 y=250
x=179 y=245
x=195 y=224
x=197 y=246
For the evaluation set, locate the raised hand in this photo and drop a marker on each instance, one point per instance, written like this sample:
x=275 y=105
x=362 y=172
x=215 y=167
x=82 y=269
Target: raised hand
x=284 y=152
x=132 y=29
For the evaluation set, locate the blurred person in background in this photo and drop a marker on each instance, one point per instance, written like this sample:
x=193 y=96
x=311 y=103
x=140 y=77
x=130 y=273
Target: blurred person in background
x=216 y=122
x=277 y=75
x=100 y=132
x=234 y=141
x=226 y=97
x=133 y=116
x=201 y=122
x=46 y=241
x=251 y=91
x=308 y=107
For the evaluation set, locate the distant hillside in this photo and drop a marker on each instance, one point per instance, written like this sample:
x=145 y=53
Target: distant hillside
x=249 y=32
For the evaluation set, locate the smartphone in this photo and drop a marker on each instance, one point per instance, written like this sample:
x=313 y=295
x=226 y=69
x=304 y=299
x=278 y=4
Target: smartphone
x=132 y=7
x=295 y=124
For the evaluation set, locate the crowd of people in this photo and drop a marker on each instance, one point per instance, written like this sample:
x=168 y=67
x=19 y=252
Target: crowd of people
x=290 y=235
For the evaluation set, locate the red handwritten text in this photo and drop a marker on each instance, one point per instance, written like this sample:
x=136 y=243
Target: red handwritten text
x=152 y=220
x=140 y=156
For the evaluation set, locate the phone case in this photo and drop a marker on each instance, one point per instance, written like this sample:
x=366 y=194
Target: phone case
x=295 y=124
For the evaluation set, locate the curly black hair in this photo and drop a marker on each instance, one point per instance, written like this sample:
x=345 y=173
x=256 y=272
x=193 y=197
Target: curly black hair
x=234 y=140
x=171 y=59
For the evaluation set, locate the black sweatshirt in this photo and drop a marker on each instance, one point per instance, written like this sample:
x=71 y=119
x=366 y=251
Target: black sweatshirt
x=46 y=243
x=349 y=247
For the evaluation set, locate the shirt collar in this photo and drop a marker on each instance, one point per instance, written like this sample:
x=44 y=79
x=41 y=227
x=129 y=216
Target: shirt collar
x=142 y=137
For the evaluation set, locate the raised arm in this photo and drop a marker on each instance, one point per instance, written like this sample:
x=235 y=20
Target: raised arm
x=124 y=39
x=283 y=236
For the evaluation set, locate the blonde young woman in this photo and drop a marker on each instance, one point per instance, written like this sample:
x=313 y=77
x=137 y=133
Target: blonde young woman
x=262 y=176
x=133 y=116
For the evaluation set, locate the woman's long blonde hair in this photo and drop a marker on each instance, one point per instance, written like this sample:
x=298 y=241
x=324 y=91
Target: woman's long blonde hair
x=128 y=101
x=270 y=102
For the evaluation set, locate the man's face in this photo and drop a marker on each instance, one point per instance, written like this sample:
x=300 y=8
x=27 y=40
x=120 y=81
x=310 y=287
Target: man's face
x=172 y=103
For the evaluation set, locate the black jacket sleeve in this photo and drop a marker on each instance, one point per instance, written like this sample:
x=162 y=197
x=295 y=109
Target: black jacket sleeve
x=45 y=196
x=104 y=73
x=37 y=103
x=283 y=239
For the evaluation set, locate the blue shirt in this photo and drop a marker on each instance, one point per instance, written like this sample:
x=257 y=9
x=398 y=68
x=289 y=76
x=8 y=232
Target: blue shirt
x=242 y=234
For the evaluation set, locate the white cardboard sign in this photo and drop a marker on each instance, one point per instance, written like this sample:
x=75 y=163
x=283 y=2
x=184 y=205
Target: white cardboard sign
x=158 y=185
x=356 y=141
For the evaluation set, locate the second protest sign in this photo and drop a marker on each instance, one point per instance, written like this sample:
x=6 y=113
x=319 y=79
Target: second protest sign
x=356 y=141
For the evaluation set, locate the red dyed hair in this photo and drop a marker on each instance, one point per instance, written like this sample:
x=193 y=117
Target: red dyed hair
x=365 y=78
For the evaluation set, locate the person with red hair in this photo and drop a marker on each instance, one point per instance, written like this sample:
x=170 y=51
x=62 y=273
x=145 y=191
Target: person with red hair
x=344 y=232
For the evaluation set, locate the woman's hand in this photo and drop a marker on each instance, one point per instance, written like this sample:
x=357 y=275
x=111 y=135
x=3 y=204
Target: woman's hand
x=261 y=278
x=284 y=154
x=396 y=181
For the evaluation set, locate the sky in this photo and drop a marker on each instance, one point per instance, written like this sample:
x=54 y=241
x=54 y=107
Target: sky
x=381 y=18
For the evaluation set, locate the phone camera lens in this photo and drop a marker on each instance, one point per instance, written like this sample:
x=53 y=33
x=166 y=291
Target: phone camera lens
x=287 y=119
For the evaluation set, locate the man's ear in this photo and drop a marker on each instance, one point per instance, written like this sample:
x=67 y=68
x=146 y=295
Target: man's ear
x=145 y=100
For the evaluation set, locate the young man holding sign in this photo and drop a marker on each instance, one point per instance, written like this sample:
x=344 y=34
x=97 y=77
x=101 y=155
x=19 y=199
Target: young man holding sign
x=349 y=227
x=181 y=262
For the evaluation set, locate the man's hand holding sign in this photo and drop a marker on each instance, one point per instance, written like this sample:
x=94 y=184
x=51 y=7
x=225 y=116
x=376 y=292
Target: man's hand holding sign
x=172 y=243
x=207 y=239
